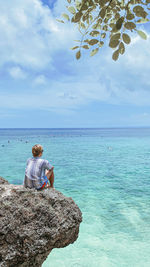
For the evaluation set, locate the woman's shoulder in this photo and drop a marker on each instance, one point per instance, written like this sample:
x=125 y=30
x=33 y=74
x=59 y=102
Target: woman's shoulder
x=45 y=160
x=29 y=160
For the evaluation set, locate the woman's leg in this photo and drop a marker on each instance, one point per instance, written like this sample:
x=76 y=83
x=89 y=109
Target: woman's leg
x=50 y=177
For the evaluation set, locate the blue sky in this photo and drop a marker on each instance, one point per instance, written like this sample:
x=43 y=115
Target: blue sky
x=43 y=85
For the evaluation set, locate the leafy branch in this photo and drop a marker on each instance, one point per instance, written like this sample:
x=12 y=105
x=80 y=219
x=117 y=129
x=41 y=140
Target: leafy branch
x=102 y=20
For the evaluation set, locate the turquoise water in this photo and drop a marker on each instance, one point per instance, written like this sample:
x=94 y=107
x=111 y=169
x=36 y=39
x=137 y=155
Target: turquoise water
x=107 y=173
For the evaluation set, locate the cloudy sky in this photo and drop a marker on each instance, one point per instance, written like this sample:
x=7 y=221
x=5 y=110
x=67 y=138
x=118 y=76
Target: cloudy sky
x=43 y=85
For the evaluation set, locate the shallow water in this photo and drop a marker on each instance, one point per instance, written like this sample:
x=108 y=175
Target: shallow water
x=107 y=173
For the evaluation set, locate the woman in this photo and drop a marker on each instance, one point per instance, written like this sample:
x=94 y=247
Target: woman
x=39 y=172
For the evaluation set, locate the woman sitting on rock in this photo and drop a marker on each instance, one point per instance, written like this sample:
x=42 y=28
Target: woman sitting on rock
x=39 y=172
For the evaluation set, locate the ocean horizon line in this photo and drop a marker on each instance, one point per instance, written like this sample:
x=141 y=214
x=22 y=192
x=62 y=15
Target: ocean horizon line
x=76 y=128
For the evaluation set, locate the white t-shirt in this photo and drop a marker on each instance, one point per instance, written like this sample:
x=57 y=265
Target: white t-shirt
x=35 y=172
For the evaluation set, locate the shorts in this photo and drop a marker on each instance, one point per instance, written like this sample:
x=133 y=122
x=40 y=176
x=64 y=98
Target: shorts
x=45 y=182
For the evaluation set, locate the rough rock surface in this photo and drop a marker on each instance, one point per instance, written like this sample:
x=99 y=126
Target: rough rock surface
x=32 y=223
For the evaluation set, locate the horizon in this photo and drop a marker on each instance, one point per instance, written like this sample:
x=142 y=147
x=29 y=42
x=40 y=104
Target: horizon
x=78 y=128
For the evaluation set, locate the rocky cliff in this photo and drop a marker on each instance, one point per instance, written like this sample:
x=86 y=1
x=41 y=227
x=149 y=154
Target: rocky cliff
x=32 y=223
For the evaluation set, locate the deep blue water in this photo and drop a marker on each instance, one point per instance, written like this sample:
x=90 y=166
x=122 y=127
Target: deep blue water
x=107 y=173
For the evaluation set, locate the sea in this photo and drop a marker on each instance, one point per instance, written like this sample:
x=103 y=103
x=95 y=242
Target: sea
x=107 y=173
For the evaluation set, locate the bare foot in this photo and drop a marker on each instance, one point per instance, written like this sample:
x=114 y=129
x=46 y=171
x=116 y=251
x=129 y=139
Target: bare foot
x=52 y=187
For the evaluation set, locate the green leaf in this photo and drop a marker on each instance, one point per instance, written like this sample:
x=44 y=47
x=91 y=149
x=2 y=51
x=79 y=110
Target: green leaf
x=71 y=9
x=117 y=16
x=85 y=46
x=92 y=41
x=84 y=6
x=130 y=25
x=115 y=55
x=130 y=16
x=86 y=40
x=142 y=34
x=77 y=17
x=91 y=18
x=102 y=13
x=78 y=55
x=113 y=43
x=96 y=26
x=105 y=28
x=115 y=36
x=103 y=35
x=144 y=14
x=126 y=38
x=82 y=25
x=121 y=48
x=94 y=51
x=142 y=21
x=119 y=23
x=85 y=17
x=65 y=16
x=94 y=33
x=59 y=20
x=112 y=25
x=78 y=4
x=75 y=47
x=138 y=10
x=132 y=2
x=101 y=43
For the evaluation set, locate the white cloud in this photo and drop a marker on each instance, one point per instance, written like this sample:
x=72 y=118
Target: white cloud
x=93 y=79
x=17 y=73
x=30 y=34
x=127 y=80
x=139 y=54
x=40 y=80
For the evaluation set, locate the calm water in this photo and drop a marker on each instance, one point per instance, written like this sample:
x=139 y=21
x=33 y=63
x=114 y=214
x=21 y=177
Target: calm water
x=107 y=173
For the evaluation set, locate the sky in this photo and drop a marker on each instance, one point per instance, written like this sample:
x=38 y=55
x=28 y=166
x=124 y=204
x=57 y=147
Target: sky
x=42 y=85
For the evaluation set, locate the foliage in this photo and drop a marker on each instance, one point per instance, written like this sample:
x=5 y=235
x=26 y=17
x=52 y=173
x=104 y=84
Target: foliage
x=102 y=20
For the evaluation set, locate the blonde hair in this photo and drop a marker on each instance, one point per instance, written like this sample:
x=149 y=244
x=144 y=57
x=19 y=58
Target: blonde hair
x=36 y=150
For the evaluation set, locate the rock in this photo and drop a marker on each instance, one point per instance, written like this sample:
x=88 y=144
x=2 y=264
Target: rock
x=3 y=181
x=33 y=222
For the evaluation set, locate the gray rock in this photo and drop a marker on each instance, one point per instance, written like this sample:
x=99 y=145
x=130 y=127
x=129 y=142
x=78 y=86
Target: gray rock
x=3 y=181
x=33 y=222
